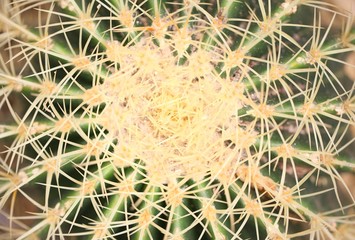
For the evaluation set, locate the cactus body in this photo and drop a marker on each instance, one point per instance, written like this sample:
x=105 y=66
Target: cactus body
x=175 y=120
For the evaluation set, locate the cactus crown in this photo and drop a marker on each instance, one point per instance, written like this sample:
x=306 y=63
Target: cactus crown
x=176 y=120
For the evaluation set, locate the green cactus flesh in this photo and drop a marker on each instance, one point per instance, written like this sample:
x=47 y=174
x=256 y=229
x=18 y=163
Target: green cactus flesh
x=184 y=119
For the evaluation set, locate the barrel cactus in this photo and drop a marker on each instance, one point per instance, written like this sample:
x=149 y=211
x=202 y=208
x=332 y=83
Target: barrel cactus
x=189 y=119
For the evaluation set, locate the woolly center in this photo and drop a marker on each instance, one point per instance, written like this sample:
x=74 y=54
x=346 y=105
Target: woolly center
x=172 y=116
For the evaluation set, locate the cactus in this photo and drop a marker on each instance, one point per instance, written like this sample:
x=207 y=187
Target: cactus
x=185 y=119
